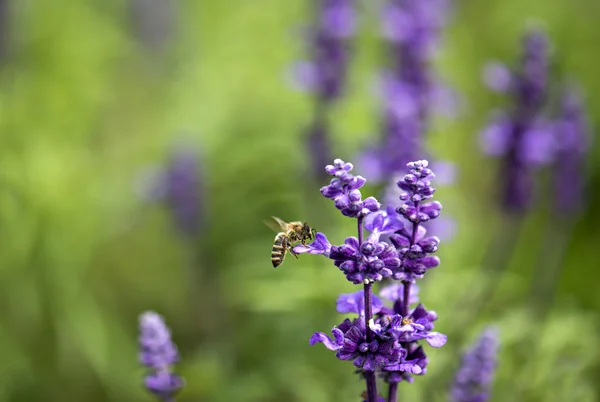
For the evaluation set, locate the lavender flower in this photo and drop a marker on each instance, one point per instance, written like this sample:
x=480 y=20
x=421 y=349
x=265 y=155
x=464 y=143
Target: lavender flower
x=179 y=185
x=158 y=353
x=409 y=87
x=522 y=138
x=570 y=139
x=382 y=339
x=344 y=191
x=325 y=74
x=413 y=247
x=473 y=379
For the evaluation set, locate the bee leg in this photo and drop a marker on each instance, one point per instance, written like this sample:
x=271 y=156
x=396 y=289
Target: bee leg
x=292 y=252
x=313 y=233
x=291 y=249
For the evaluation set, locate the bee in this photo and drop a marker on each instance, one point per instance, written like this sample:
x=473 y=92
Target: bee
x=290 y=233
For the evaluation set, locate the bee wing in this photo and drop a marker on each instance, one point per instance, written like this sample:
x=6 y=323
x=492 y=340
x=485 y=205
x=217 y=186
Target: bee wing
x=278 y=226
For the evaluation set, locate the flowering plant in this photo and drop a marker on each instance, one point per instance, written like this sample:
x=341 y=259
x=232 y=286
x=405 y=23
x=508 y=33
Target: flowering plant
x=382 y=339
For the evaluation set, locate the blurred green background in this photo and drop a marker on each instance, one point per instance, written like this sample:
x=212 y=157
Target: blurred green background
x=94 y=93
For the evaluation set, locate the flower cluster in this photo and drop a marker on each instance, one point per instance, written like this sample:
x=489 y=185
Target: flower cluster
x=522 y=137
x=391 y=331
x=382 y=339
x=158 y=352
x=413 y=247
x=344 y=191
x=472 y=381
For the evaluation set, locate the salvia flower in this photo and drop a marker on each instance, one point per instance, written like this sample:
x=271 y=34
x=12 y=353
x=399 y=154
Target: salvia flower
x=384 y=351
x=158 y=353
x=382 y=339
x=409 y=87
x=521 y=137
x=475 y=375
x=344 y=191
x=179 y=185
x=325 y=74
x=414 y=248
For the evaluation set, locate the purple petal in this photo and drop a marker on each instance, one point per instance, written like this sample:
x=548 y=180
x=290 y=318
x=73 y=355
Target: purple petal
x=304 y=76
x=320 y=246
x=369 y=364
x=436 y=340
x=329 y=343
x=372 y=204
x=430 y=262
x=497 y=77
x=354 y=303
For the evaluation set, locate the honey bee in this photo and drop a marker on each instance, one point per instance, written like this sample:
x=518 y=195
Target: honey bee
x=290 y=233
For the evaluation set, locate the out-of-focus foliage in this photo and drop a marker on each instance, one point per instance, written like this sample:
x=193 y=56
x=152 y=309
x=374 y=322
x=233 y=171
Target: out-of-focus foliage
x=86 y=106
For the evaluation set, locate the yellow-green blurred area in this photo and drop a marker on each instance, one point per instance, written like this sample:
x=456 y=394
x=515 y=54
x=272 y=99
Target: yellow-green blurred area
x=93 y=93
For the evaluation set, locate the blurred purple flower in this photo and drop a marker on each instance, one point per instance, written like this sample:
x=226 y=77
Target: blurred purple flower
x=522 y=138
x=159 y=353
x=475 y=375
x=355 y=303
x=395 y=293
x=497 y=77
x=324 y=75
x=571 y=143
x=179 y=185
x=409 y=89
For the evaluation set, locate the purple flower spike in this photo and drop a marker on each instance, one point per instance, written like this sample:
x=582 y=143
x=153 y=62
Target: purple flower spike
x=473 y=379
x=344 y=191
x=409 y=89
x=180 y=186
x=158 y=352
x=413 y=247
x=521 y=137
x=383 y=339
x=324 y=75
x=328 y=40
